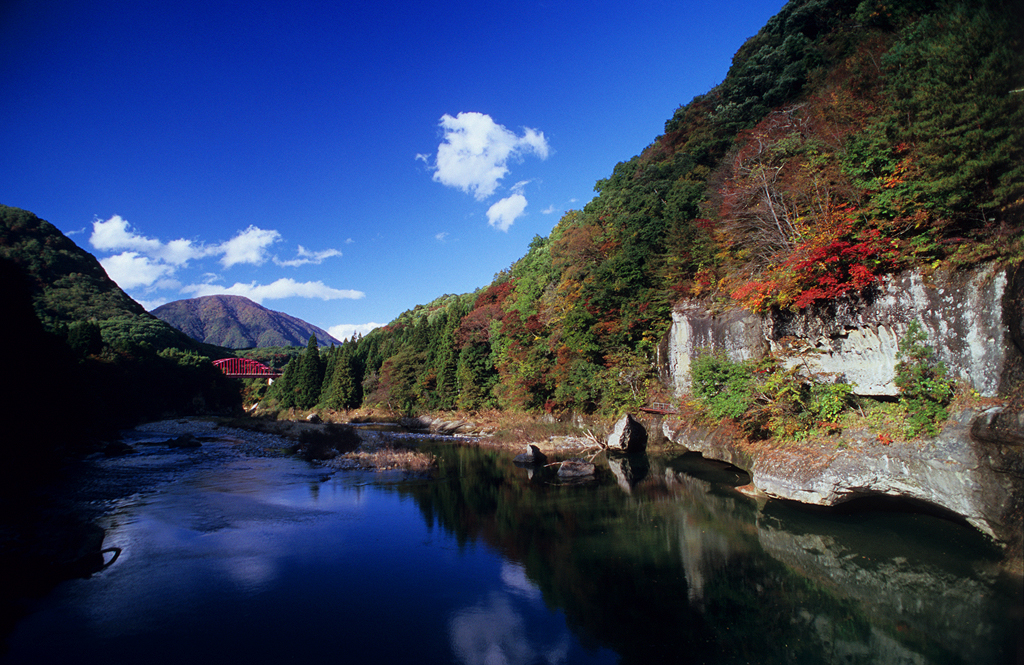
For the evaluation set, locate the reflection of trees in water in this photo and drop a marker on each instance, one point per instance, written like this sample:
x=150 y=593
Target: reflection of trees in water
x=675 y=568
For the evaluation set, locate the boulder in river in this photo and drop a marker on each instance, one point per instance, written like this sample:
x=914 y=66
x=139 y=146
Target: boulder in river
x=533 y=455
x=576 y=468
x=629 y=436
x=184 y=441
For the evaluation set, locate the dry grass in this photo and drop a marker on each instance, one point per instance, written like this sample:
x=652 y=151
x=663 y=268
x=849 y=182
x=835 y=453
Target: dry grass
x=513 y=430
x=387 y=459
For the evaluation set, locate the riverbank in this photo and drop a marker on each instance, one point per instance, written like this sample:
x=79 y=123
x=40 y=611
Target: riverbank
x=492 y=428
x=972 y=472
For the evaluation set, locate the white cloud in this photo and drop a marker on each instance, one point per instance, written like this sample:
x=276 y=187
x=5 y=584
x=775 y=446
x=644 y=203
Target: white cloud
x=249 y=246
x=167 y=284
x=150 y=264
x=442 y=236
x=550 y=209
x=150 y=305
x=115 y=234
x=282 y=288
x=346 y=330
x=131 y=270
x=502 y=214
x=305 y=257
x=475 y=150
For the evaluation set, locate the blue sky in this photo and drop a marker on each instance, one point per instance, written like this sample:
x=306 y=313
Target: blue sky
x=338 y=161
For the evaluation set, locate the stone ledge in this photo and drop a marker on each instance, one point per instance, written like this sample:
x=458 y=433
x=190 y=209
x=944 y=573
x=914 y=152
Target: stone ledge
x=978 y=478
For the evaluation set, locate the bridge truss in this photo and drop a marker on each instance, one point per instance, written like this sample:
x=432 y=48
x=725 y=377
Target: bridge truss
x=244 y=368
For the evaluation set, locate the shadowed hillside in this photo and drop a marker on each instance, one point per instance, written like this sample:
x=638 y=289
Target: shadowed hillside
x=85 y=357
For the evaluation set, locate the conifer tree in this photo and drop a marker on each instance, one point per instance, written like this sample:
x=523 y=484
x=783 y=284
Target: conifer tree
x=310 y=376
x=330 y=360
x=342 y=390
x=446 y=359
x=284 y=388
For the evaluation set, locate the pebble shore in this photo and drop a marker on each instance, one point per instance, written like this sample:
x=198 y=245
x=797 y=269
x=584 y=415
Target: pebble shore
x=252 y=441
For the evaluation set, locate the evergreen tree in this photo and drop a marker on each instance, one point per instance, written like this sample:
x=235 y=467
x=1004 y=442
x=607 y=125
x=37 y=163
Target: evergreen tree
x=310 y=376
x=342 y=388
x=476 y=377
x=330 y=361
x=284 y=388
x=446 y=359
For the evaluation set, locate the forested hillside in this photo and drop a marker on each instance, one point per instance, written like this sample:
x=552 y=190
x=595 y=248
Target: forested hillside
x=69 y=286
x=82 y=356
x=848 y=140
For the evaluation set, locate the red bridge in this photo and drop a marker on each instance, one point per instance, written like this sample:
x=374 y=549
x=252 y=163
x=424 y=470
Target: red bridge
x=660 y=408
x=244 y=368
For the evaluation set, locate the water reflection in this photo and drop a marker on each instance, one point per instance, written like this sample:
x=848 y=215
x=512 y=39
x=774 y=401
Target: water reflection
x=510 y=626
x=513 y=576
x=657 y=560
x=670 y=562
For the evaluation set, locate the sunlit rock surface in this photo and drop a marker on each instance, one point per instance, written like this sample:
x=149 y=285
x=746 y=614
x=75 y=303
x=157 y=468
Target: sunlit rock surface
x=981 y=481
x=972 y=318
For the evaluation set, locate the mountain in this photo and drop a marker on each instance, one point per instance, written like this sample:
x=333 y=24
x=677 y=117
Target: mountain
x=238 y=323
x=68 y=283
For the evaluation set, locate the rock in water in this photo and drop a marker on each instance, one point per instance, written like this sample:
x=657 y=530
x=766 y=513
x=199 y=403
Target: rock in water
x=575 y=468
x=184 y=441
x=533 y=455
x=629 y=435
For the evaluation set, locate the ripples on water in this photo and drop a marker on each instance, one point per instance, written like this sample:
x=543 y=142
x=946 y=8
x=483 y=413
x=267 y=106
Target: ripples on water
x=233 y=551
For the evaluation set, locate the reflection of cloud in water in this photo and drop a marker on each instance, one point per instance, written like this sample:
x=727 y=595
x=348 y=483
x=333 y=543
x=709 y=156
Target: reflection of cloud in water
x=514 y=577
x=252 y=572
x=495 y=633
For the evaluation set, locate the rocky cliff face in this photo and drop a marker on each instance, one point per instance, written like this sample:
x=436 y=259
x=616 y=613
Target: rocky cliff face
x=974 y=469
x=974 y=319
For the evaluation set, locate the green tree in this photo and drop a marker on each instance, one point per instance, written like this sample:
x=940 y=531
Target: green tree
x=955 y=80
x=342 y=391
x=310 y=377
x=283 y=390
x=476 y=377
x=85 y=338
x=399 y=379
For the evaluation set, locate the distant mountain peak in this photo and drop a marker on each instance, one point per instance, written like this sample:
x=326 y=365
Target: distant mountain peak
x=238 y=323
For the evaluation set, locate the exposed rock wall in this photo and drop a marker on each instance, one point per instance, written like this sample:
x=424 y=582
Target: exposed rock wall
x=973 y=469
x=972 y=318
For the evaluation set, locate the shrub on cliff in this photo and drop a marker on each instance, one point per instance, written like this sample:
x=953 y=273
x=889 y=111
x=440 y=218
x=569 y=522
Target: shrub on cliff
x=723 y=386
x=767 y=398
x=925 y=391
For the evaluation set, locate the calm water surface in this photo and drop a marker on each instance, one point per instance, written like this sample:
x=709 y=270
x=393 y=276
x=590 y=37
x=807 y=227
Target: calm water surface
x=226 y=555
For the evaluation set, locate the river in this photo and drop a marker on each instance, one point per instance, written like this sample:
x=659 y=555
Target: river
x=235 y=552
